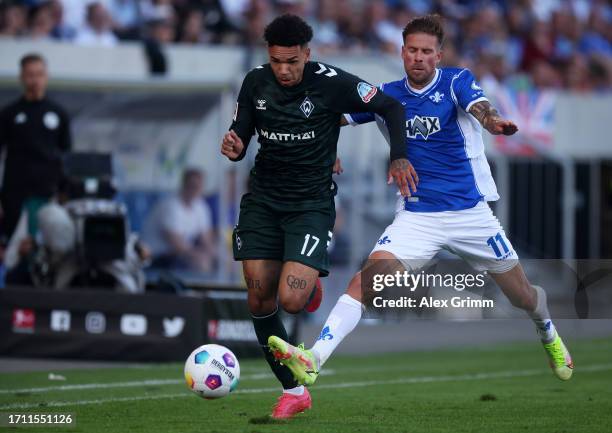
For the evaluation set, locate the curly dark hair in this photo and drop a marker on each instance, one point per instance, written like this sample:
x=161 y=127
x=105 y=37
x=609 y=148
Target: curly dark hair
x=287 y=31
x=428 y=24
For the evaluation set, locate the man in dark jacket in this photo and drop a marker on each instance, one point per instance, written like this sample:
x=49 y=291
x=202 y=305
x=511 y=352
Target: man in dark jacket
x=36 y=133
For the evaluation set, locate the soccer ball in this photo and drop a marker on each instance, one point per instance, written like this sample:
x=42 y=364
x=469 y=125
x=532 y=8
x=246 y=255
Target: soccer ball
x=212 y=371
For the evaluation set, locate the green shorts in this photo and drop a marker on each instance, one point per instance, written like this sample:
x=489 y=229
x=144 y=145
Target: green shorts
x=267 y=232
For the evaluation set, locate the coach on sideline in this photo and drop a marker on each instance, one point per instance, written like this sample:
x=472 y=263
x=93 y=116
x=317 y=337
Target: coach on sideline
x=36 y=134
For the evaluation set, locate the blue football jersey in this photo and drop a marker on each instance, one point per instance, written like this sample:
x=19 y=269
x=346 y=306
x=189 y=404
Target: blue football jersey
x=444 y=141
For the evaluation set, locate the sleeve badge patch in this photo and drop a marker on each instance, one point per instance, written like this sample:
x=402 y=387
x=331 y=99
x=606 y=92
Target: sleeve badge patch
x=366 y=91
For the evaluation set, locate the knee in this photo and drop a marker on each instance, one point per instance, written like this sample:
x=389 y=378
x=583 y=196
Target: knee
x=291 y=304
x=259 y=305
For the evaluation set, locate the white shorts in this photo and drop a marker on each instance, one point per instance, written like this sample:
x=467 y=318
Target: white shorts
x=473 y=234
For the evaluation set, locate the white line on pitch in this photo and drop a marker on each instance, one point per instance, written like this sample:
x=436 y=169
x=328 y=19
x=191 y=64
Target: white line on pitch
x=130 y=384
x=162 y=382
x=397 y=381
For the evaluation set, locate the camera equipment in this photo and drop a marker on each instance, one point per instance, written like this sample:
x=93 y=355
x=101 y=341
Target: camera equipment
x=101 y=223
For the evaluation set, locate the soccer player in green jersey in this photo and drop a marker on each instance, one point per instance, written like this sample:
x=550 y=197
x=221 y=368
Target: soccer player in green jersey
x=286 y=219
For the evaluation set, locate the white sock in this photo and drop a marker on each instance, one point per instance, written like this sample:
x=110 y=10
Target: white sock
x=341 y=321
x=298 y=390
x=541 y=317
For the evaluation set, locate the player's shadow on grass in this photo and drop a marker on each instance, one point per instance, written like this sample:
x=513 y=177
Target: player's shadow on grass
x=266 y=419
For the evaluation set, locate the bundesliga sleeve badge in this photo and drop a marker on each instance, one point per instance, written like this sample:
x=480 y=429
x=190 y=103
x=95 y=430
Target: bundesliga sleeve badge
x=366 y=91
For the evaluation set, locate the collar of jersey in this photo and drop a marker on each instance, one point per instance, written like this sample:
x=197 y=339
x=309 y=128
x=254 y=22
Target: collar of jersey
x=424 y=90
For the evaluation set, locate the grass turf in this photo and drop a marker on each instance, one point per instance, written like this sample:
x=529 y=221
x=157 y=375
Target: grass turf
x=494 y=389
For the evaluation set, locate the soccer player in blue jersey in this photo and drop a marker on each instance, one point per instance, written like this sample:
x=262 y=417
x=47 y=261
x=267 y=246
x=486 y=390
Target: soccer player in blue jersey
x=446 y=111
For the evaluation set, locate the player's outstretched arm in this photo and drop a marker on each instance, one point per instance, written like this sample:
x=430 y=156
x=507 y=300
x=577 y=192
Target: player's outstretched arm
x=232 y=146
x=490 y=119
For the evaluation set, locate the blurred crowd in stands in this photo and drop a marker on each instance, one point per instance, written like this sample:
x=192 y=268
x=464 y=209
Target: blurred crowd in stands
x=558 y=43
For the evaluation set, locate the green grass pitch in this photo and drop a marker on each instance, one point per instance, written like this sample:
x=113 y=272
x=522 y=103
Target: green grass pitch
x=494 y=389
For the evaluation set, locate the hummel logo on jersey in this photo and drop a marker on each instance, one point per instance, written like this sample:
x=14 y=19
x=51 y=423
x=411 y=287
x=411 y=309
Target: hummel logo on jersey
x=325 y=334
x=475 y=86
x=261 y=104
x=384 y=240
x=423 y=125
x=330 y=72
x=436 y=97
x=307 y=107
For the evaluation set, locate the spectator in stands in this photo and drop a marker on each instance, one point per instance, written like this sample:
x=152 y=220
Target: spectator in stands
x=325 y=27
x=599 y=74
x=374 y=16
x=576 y=74
x=567 y=30
x=389 y=29
x=235 y=12
x=257 y=18
x=159 y=33
x=531 y=35
x=538 y=47
x=598 y=36
x=349 y=26
x=544 y=76
x=40 y=22
x=14 y=19
x=154 y=10
x=61 y=30
x=74 y=12
x=192 y=30
x=218 y=22
x=294 y=7
x=179 y=230
x=98 y=30
x=126 y=19
x=36 y=133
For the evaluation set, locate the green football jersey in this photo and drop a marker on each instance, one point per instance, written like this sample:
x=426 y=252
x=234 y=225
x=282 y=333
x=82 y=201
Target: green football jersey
x=298 y=129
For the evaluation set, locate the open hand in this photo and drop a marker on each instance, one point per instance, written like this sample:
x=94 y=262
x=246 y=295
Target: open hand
x=405 y=176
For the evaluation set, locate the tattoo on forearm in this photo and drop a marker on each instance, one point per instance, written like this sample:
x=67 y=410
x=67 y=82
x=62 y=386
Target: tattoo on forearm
x=485 y=113
x=296 y=283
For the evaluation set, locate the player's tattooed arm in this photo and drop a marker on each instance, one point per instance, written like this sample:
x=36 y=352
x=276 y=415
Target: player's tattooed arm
x=405 y=176
x=490 y=119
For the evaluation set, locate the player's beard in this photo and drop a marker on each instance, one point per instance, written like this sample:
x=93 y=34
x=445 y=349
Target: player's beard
x=421 y=80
